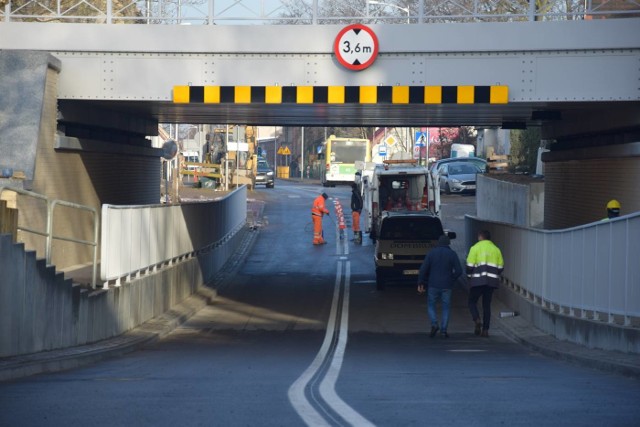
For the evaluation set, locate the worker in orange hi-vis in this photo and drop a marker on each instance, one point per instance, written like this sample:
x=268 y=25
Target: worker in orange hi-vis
x=317 y=211
x=356 y=208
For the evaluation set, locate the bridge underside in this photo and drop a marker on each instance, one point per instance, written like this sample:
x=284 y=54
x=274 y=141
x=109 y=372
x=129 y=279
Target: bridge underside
x=557 y=117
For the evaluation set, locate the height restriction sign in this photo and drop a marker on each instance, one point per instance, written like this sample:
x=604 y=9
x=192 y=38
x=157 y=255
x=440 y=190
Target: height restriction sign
x=356 y=47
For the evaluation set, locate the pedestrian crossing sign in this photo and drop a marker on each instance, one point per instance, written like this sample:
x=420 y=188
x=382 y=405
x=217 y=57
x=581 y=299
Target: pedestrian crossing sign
x=284 y=151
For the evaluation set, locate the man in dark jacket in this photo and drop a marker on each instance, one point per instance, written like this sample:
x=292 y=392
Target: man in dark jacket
x=356 y=208
x=438 y=273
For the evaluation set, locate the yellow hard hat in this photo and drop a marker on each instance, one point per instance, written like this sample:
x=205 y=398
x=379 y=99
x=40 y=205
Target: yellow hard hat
x=613 y=204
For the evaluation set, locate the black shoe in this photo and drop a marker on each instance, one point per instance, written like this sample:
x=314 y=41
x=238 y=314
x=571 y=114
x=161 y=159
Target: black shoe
x=476 y=331
x=444 y=334
x=434 y=331
x=485 y=333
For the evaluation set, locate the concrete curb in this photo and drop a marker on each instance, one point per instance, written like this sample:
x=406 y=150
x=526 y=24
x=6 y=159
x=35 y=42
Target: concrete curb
x=522 y=332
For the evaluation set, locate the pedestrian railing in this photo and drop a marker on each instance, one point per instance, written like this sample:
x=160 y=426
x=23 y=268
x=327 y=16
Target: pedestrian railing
x=141 y=239
x=48 y=234
x=591 y=271
x=313 y=12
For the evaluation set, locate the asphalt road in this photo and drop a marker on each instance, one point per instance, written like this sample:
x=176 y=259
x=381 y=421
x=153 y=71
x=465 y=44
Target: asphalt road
x=299 y=335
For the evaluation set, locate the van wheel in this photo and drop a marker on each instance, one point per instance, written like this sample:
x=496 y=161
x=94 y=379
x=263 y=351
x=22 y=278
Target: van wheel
x=380 y=283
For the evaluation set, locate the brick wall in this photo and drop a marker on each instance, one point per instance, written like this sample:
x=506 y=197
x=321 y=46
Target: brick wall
x=577 y=191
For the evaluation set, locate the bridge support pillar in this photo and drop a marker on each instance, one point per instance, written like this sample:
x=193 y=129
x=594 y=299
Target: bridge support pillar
x=28 y=85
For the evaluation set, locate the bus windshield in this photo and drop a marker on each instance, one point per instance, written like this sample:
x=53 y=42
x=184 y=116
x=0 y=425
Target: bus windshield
x=348 y=151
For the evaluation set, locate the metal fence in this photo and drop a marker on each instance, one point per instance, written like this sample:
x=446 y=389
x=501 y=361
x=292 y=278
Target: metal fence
x=591 y=271
x=136 y=239
x=48 y=233
x=310 y=12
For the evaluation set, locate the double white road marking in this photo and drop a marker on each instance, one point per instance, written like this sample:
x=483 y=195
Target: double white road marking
x=328 y=408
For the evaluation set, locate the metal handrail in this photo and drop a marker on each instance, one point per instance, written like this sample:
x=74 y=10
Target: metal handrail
x=252 y=13
x=48 y=233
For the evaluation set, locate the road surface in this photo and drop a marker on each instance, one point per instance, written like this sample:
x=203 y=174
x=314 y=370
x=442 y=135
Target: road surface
x=299 y=336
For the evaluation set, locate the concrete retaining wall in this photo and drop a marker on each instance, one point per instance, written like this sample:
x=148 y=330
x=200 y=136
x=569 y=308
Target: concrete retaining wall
x=510 y=202
x=40 y=311
x=590 y=333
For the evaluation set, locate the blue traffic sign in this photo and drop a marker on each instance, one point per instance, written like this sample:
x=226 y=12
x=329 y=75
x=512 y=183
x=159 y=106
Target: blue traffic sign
x=421 y=139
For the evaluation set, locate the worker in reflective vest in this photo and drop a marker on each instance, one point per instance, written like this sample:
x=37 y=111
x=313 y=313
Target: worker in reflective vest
x=317 y=211
x=484 y=266
x=356 y=208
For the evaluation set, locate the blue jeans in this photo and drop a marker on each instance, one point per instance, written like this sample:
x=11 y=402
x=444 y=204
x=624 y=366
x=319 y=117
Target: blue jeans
x=444 y=296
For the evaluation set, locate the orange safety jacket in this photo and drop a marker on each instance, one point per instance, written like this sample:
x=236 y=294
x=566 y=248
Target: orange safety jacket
x=318 y=208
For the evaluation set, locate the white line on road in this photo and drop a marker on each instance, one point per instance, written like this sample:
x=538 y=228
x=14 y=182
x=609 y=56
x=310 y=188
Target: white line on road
x=296 y=392
x=328 y=384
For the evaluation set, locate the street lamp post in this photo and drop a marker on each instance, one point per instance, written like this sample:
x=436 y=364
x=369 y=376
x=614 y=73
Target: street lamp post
x=404 y=9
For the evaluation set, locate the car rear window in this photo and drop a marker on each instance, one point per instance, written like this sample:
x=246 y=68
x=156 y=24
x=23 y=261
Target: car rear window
x=459 y=169
x=426 y=228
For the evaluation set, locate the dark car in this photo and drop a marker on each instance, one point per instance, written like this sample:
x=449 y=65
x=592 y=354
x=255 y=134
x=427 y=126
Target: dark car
x=404 y=240
x=265 y=174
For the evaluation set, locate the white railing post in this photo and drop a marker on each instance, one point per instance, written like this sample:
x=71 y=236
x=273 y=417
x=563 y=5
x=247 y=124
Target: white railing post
x=314 y=18
x=532 y=10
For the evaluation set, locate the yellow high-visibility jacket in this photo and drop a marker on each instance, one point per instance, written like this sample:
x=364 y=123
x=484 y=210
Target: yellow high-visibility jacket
x=484 y=264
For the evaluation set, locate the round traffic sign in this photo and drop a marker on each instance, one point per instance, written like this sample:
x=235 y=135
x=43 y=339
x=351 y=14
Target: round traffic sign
x=169 y=150
x=356 y=47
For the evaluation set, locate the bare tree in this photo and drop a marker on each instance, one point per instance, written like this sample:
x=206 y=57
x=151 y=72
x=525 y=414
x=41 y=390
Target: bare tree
x=95 y=11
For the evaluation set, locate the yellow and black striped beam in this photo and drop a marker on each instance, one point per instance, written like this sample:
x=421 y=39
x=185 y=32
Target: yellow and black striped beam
x=340 y=94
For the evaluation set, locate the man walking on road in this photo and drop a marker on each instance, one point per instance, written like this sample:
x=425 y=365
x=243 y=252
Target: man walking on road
x=317 y=211
x=484 y=266
x=438 y=273
x=356 y=208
